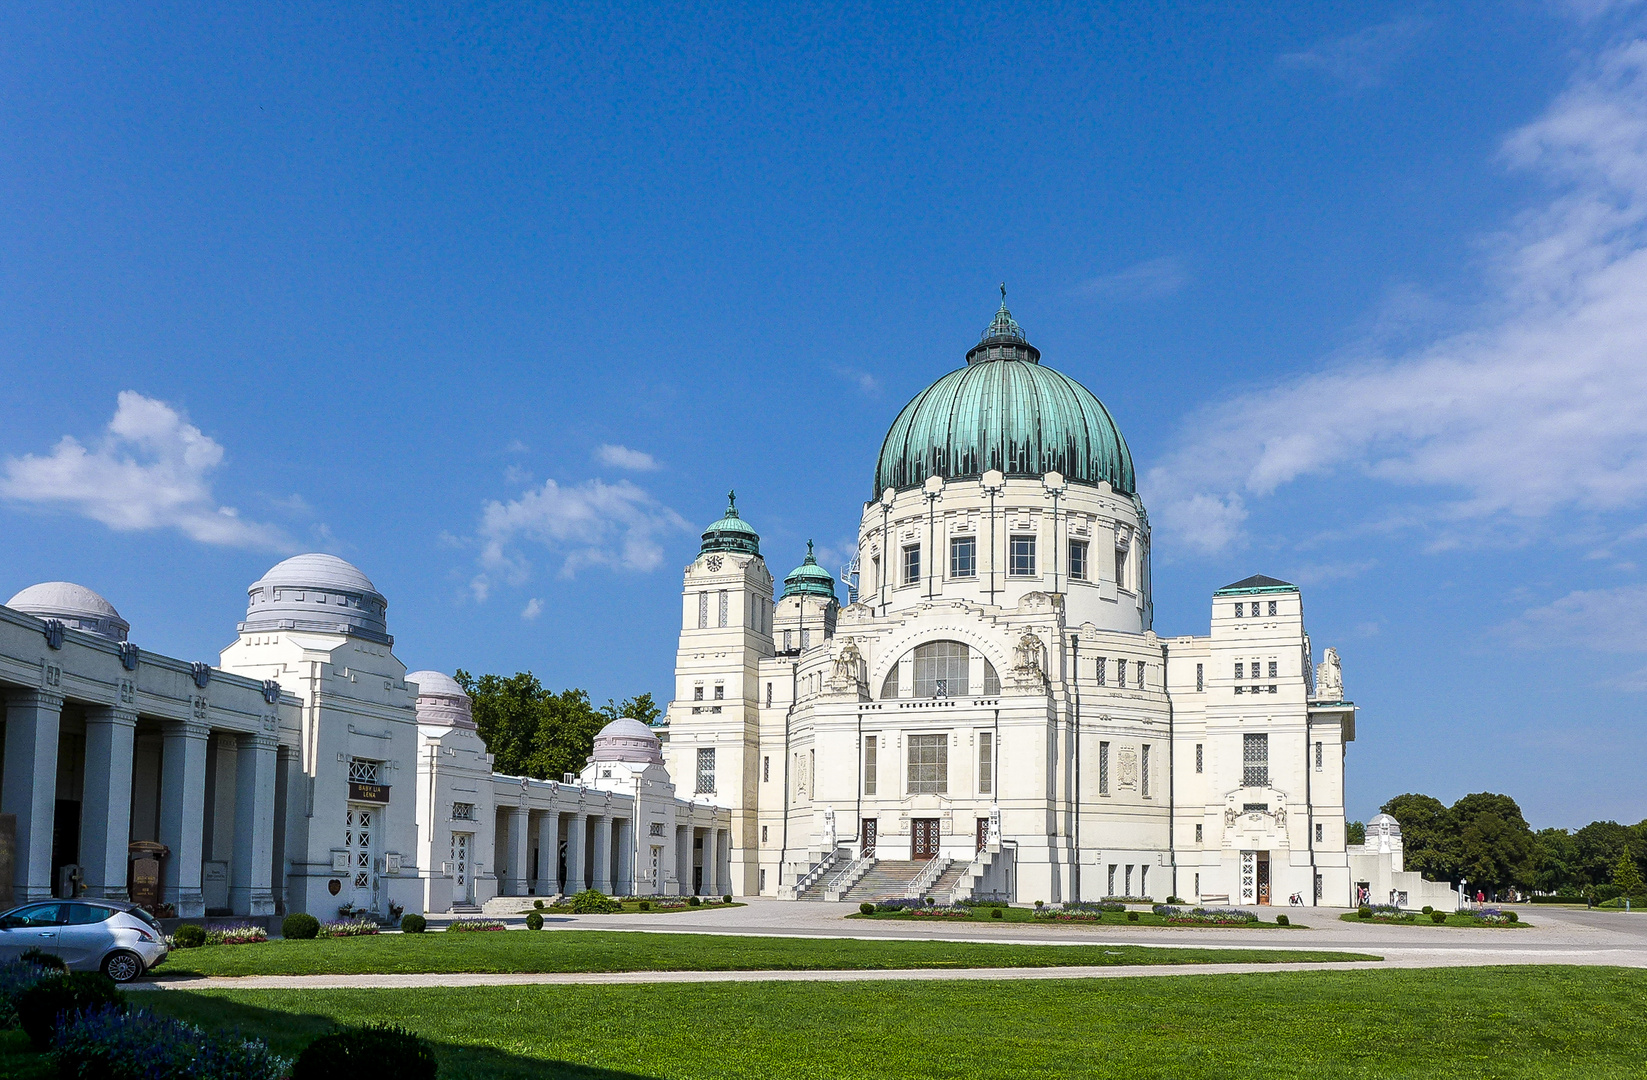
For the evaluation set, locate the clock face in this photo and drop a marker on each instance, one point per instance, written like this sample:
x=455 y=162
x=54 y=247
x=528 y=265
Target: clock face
x=714 y=564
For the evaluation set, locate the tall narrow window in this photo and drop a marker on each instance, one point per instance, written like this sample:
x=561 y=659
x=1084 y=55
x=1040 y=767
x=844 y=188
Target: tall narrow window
x=1120 y=567
x=986 y=762
x=1021 y=556
x=871 y=764
x=1240 y=670
x=1101 y=672
x=806 y=637
x=1143 y=881
x=1121 y=674
x=1198 y=833
x=1200 y=678
x=1140 y=676
x=697 y=692
x=1317 y=757
x=1274 y=667
x=1317 y=832
x=1200 y=759
x=1255 y=760
x=929 y=764
x=706 y=770
x=703 y=611
x=788 y=641
x=766 y=769
x=1144 y=771
x=1240 y=610
x=1077 y=560
x=963 y=557
x=912 y=564
x=720 y=691
x=723 y=607
x=768 y=695
x=1103 y=784
x=875 y=571
x=1111 y=890
x=1272 y=607
x=1128 y=880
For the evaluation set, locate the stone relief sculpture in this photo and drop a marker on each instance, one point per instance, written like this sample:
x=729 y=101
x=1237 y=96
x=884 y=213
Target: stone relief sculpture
x=1026 y=666
x=1329 y=677
x=848 y=663
x=1127 y=770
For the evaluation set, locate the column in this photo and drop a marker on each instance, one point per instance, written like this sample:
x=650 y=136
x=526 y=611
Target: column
x=183 y=815
x=285 y=788
x=250 y=891
x=548 y=853
x=711 y=882
x=601 y=853
x=624 y=838
x=723 y=861
x=106 y=803
x=577 y=830
x=29 y=786
x=520 y=858
x=683 y=860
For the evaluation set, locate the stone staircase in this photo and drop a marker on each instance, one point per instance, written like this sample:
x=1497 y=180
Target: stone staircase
x=500 y=906
x=888 y=879
x=945 y=885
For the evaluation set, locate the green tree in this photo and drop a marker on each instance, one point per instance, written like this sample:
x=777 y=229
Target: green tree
x=1429 y=836
x=1495 y=845
x=641 y=708
x=1627 y=875
x=1555 y=861
x=1355 y=832
x=533 y=732
x=1599 y=845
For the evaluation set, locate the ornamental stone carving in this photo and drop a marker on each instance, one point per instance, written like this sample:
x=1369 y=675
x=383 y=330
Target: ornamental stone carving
x=1027 y=672
x=1126 y=772
x=1329 y=678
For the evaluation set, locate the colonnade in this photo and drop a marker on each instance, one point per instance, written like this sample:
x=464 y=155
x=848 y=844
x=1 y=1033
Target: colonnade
x=579 y=850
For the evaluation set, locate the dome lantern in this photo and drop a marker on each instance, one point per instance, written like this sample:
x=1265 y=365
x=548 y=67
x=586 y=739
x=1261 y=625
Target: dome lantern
x=731 y=532
x=809 y=579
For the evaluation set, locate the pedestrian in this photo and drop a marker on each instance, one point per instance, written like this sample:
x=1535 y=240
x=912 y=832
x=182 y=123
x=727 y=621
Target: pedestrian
x=1480 y=898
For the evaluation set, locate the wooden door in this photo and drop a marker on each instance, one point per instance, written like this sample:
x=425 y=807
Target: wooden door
x=924 y=838
x=866 y=839
x=1263 y=877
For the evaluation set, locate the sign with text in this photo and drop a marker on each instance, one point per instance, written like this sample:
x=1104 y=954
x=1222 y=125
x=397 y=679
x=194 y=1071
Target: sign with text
x=358 y=792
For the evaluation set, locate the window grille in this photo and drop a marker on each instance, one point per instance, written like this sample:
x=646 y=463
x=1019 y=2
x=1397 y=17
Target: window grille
x=720 y=691
x=1200 y=678
x=1255 y=670
x=1144 y=771
x=1121 y=674
x=766 y=768
x=1111 y=890
x=1103 y=789
x=1272 y=607
x=1143 y=881
x=986 y=762
x=1318 y=757
x=1255 y=760
x=362 y=771
x=1128 y=880
x=1198 y=829
x=1140 y=676
x=929 y=764
x=1275 y=669
x=697 y=692
x=768 y=695
x=1101 y=672
x=1120 y=567
x=763 y=840
x=703 y=611
x=1318 y=832
x=1240 y=610
x=706 y=770
x=963 y=557
x=941 y=669
x=656 y=828
x=1240 y=670
x=463 y=811
x=1077 y=560
x=788 y=641
x=871 y=763
x=723 y=607
x=1021 y=556
x=912 y=564
x=1199 y=757
x=806 y=637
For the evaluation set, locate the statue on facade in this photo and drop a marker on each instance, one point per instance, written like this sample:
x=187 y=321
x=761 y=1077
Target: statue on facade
x=848 y=662
x=1026 y=667
x=1230 y=816
x=1329 y=677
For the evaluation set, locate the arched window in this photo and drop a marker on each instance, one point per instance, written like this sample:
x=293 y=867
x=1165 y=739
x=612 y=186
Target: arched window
x=941 y=669
x=889 y=688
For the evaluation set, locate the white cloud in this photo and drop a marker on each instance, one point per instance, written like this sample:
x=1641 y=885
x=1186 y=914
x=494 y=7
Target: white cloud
x=591 y=524
x=1610 y=621
x=533 y=608
x=1537 y=407
x=516 y=447
x=1362 y=59
x=1147 y=280
x=621 y=457
x=863 y=380
x=150 y=470
x=514 y=474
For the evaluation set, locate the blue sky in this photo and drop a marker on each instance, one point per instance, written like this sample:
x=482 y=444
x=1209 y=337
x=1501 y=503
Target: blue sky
x=497 y=302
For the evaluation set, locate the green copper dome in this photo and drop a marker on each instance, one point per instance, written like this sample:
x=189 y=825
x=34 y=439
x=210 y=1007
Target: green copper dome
x=1004 y=411
x=809 y=579
x=731 y=533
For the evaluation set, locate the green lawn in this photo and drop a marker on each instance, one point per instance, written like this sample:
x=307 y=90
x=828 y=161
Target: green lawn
x=607 y=950
x=1027 y=915
x=1484 y=1023
x=1418 y=918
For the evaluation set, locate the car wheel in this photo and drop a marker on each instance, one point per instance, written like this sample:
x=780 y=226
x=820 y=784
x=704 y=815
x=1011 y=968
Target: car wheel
x=122 y=966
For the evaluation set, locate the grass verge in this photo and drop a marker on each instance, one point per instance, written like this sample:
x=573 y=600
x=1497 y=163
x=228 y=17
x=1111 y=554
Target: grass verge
x=1485 y=1023
x=607 y=950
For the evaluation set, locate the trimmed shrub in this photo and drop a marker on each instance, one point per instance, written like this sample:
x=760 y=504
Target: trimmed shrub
x=1282 y=920
x=39 y=1007
x=643 y=905
x=1363 y=912
x=1132 y=916
x=995 y=913
x=373 y=1050
x=299 y=926
x=111 y=1044
x=1040 y=903
x=534 y=921
x=693 y=901
x=866 y=908
x=1428 y=909
x=1512 y=916
x=189 y=936
x=413 y=923
x=1438 y=916
x=15 y=978
x=727 y=899
x=474 y=926
x=538 y=904
x=595 y=902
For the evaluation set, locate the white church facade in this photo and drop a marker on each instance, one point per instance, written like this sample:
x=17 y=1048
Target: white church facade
x=992 y=711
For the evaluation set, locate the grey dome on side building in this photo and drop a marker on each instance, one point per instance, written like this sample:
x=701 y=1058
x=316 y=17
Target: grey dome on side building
x=317 y=592
x=441 y=700
x=627 y=739
x=75 y=606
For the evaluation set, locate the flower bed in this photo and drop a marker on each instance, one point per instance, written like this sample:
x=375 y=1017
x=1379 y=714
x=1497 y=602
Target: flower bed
x=240 y=934
x=349 y=928
x=943 y=912
x=116 y=1043
x=1206 y=916
x=474 y=926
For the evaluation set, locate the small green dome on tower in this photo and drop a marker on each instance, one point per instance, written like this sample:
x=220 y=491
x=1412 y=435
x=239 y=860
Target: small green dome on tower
x=731 y=533
x=809 y=579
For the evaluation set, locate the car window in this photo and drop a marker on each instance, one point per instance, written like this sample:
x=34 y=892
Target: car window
x=84 y=914
x=37 y=915
x=139 y=913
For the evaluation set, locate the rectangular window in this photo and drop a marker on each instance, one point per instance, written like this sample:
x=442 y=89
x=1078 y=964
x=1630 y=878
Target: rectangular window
x=657 y=828
x=788 y=641
x=986 y=762
x=1021 y=556
x=1103 y=779
x=723 y=607
x=1274 y=669
x=463 y=811
x=697 y=692
x=1272 y=607
x=963 y=557
x=763 y=839
x=763 y=881
x=929 y=764
x=1240 y=610
x=871 y=763
x=720 y=691
x=1111 y=890
x=766 y=769
x=1143 y=881
x=1144 y=771
x=1255 y=672
x=1200 y=759
x=1101 y=672
x=703 y=611
x=1121 y=674
x=1318 y=832
x=362 y=771
x=1197 y=883
x=1317 y=757
x=1077 y=560
x=1240 y=670
x=1200 y=678
x=1198 y=829
x=912 y=564
x=1140 y=676
x=768 y=695
x=706 y=770
x=1129 y=881
x=1120 y=567
x=806 y=637
x=1255 y=760
x=875 y=571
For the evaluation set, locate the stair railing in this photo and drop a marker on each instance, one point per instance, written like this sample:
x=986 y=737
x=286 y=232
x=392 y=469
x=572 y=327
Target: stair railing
x=929 y=874
x=822 y=867
x=843 y=881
